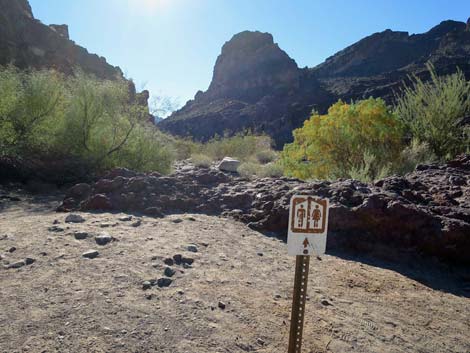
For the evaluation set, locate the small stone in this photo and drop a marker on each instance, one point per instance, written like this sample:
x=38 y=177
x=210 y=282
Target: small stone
x=187 y=260
x=17 y=264
x=221 y=305
x=192 y=219
x=29 y=261
x=55 y=229
x=192 y=248
x=185 y=265
x=137 y=223
x=106 y=225
x=81 y=235
x=169 y=261
x=260 y=254
x=164 y=282
x=277 y=296
x=90 y=254
x=149 y=296
x=146 y=285
x=12 y=249
x=103 y=239
x=56 y=221
x=74 y=218
x=169 y=272
x=125 y=218
x=325 y=302
x=177 y=258
x=177 y=220
x=260 y=341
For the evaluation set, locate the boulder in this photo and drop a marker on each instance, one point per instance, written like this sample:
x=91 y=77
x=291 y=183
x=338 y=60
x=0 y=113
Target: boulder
x=229 y=165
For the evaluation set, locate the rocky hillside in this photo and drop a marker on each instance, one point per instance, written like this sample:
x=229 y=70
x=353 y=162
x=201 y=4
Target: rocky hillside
x=27 y=43
x=427 y=211
x=257 y=86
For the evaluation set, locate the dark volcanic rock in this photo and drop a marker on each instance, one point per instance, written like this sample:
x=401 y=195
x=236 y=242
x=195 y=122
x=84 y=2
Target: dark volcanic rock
x=257 y=86
x=427 y=211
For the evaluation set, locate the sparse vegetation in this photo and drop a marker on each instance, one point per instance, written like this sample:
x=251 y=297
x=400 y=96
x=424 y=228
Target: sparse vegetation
x=201 y=160
x=46 y=115
x=432 y=112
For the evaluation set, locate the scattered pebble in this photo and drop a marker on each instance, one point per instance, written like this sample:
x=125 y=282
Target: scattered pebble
x=90 y=254
x=169 y=261
x=177 y=220
x=81 y=235
x=74 y=218
x=55 y=229
x=146 y=285
x=325 y=302
x=12 y=249
x=103 y=239
x=192 y=248
x=164 y=282
x=259 y=254
x=260 y=341
x=221 y=305
x=169 y=272
x=125 y=218
x=137 y=223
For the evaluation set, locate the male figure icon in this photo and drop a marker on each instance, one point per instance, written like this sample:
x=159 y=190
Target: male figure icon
x=300 y=216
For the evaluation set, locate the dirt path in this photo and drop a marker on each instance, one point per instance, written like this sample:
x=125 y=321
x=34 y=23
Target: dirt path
x=235 y=297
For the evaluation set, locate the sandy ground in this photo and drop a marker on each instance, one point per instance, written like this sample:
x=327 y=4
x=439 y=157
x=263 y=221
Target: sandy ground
x=64 y=302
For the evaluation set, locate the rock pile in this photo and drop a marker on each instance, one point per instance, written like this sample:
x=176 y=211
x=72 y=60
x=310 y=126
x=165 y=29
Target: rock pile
x=426 y=211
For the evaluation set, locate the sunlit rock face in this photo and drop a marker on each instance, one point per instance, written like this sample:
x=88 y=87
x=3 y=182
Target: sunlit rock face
x=27 y=43
x=257 y=86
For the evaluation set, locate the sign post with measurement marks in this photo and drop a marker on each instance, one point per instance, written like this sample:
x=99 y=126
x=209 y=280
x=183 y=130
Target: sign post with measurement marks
x=307 y=230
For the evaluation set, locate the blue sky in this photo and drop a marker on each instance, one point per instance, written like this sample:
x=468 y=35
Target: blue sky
x=170 y=46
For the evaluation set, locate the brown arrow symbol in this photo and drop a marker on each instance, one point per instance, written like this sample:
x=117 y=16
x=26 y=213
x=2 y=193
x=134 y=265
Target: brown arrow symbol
x=306 y=243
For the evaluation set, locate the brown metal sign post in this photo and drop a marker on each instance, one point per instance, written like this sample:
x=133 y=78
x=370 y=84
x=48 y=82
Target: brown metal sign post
x=308 y=223
x=298 y=303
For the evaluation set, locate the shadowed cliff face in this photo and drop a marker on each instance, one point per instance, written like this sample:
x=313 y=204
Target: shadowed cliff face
x=257 y=86
x=27 y=43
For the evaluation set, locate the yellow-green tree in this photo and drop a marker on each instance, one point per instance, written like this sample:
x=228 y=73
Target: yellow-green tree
x=358 y=140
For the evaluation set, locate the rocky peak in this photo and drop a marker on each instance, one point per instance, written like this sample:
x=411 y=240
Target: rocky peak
x=16 y=8
x=62 y=30
x=249 y=65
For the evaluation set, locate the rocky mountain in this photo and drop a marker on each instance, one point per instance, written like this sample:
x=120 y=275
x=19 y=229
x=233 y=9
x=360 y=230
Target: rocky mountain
x=257 y=86
x=27 y=43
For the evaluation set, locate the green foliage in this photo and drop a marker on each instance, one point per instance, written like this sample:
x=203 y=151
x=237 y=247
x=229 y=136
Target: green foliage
x=431 y=112
x=44 y=114
x=241 y=146
x=253 y=169
x=361 y=139
x=412 y=155
x=201 y=160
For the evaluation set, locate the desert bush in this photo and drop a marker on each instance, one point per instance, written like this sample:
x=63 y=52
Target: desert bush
x=357 y=138
x=242 y=146
x=412 y=155
x=431 y=112
x=266 y=156
x=248 y=169
x=271 y=170
x=47 y=116
x=201 y=160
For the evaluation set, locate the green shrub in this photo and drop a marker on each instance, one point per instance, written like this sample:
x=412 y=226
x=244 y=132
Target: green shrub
x=266 y=156
x=357 y=138
x=243 y=146
x=412 y=155
x=248 y=169
x=431 y=112
x=271 y=170
x=47 y=116
x=201 y=160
